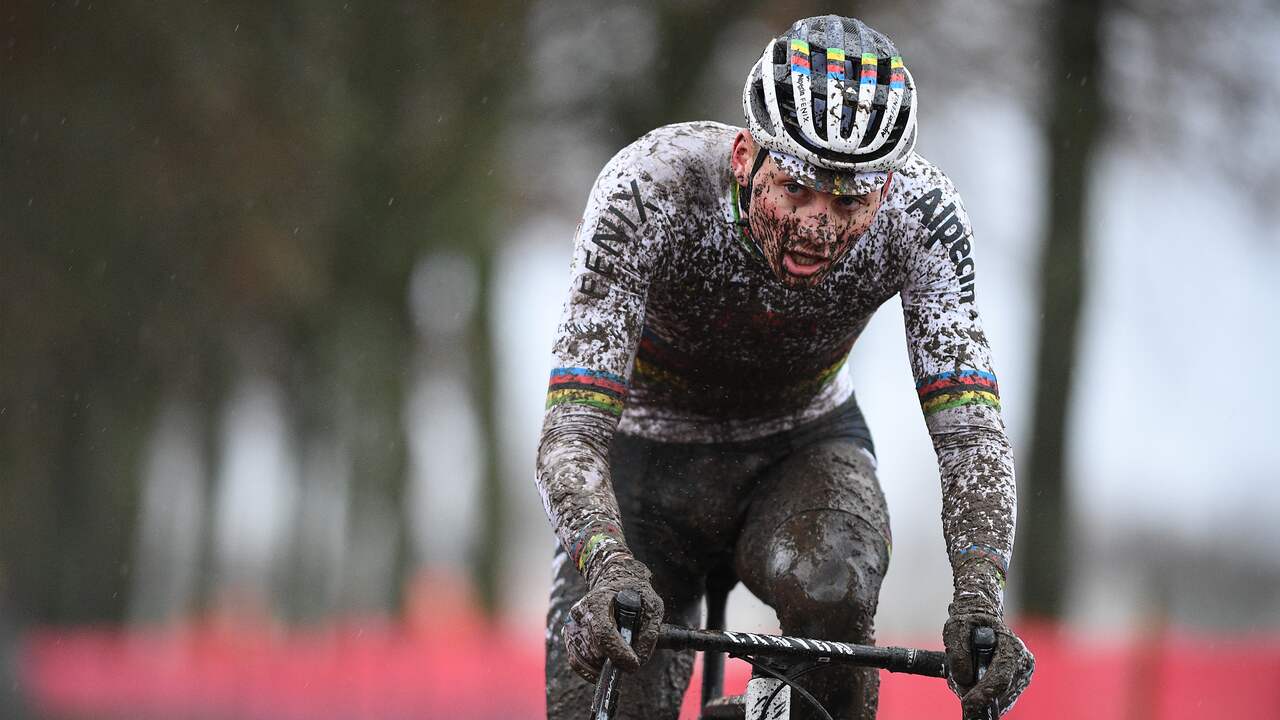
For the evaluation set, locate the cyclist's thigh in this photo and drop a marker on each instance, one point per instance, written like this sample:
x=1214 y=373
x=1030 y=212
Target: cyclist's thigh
x=817 y=531
x=815 y=547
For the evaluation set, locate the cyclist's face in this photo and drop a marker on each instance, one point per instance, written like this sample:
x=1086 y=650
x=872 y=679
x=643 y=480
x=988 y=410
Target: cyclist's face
x=803 y=232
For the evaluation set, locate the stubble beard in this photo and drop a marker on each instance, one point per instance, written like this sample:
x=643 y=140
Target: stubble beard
x=779 y=236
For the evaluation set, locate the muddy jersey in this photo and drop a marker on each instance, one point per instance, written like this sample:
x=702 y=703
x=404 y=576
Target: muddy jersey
x=676 y=329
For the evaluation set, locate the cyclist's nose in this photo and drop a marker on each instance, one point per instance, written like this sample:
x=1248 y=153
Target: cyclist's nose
x=817 y=229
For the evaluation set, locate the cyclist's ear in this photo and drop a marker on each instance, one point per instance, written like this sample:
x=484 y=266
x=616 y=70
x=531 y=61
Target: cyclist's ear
x=742 y=156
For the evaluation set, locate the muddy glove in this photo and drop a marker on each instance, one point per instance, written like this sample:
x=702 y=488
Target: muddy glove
x=1007 y=675
x=591 y=635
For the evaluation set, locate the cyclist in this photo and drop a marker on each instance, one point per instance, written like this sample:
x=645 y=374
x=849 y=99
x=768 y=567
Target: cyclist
x=700 y=419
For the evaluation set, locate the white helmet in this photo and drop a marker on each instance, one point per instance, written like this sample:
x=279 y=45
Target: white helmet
x=799 y=101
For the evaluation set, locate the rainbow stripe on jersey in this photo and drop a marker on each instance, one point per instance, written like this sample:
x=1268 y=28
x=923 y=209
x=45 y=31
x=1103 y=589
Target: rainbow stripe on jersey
x=991 y=555
x=957 y=388
x=581 y=386
x=660 y=363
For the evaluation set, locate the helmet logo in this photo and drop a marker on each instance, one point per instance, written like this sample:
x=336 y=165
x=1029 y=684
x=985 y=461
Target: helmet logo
x=800 y=79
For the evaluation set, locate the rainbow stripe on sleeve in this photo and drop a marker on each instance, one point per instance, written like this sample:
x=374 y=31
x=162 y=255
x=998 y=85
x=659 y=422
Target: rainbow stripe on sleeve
x=954 y=389
x=593 y=539
x=593 y=388
x=989 y=554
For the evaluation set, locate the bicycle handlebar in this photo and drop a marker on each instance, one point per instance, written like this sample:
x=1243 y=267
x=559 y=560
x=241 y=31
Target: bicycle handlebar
x=930 y=663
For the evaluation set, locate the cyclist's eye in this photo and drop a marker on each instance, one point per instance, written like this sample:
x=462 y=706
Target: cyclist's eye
x=793 y=188
x=851 y=201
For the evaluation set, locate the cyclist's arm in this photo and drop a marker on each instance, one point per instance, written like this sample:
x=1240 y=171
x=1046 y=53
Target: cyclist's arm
x=958 y=394
x=621 y=232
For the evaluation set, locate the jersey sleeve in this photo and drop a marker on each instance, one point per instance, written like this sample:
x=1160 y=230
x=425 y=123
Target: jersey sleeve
x=621 y=236
x=959 y=395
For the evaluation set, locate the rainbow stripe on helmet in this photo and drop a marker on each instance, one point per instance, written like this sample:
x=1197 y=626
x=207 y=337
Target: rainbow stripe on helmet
x=835 y=63
x=868 y=74
x=897 y=73
x=800 y=57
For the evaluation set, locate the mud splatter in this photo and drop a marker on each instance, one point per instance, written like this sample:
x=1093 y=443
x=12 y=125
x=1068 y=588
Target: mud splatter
x=800 y=516
x=708 y=345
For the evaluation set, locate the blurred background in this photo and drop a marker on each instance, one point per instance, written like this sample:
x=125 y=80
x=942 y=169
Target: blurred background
x=278 y=284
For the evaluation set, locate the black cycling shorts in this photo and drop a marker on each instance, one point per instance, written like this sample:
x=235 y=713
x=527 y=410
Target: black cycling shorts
x=798 y=516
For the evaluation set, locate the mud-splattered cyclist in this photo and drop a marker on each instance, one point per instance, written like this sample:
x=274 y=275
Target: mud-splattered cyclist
x=700 y=417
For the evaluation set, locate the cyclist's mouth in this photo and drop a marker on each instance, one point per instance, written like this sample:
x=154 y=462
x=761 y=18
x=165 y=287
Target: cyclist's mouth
x=803 y=264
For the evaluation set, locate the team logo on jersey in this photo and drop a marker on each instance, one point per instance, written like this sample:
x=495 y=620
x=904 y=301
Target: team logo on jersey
x=613 y=231
x=946 y=227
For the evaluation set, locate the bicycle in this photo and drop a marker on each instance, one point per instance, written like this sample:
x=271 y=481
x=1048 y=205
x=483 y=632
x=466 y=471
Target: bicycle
x=776 y=662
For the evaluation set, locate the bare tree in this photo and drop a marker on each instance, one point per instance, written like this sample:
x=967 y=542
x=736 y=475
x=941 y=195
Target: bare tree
x=1075 y=119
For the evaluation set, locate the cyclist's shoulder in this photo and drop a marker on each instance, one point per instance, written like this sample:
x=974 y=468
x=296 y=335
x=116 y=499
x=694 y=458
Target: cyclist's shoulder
x=691 y=138
x=682 y=168
x=688 y=150
x=923 y=206
x=918 y=186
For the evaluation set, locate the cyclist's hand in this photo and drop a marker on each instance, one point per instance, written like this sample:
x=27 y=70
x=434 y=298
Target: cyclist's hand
x=591 y=635
x=1007 y=675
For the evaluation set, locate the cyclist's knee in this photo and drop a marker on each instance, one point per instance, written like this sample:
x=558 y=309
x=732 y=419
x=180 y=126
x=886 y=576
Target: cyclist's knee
x=824 y=569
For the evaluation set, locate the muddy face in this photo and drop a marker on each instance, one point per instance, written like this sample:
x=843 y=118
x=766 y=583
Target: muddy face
x=803 y=232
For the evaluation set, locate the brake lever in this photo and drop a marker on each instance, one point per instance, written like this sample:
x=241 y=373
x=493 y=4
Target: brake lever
x=626 y=613
x=982 y=645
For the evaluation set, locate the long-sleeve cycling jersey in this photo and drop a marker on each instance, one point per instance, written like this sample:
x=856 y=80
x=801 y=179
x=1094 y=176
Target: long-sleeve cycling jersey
x=675 y=329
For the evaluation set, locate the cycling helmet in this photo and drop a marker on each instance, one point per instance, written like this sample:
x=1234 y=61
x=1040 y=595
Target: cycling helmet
x=829 y=132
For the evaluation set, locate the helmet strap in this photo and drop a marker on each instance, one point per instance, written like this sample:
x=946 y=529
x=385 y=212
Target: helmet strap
x=744 y=197
x=742 y=209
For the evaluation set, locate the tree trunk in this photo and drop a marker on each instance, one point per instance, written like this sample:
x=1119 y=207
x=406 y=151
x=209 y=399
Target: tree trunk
x=1075 y=120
